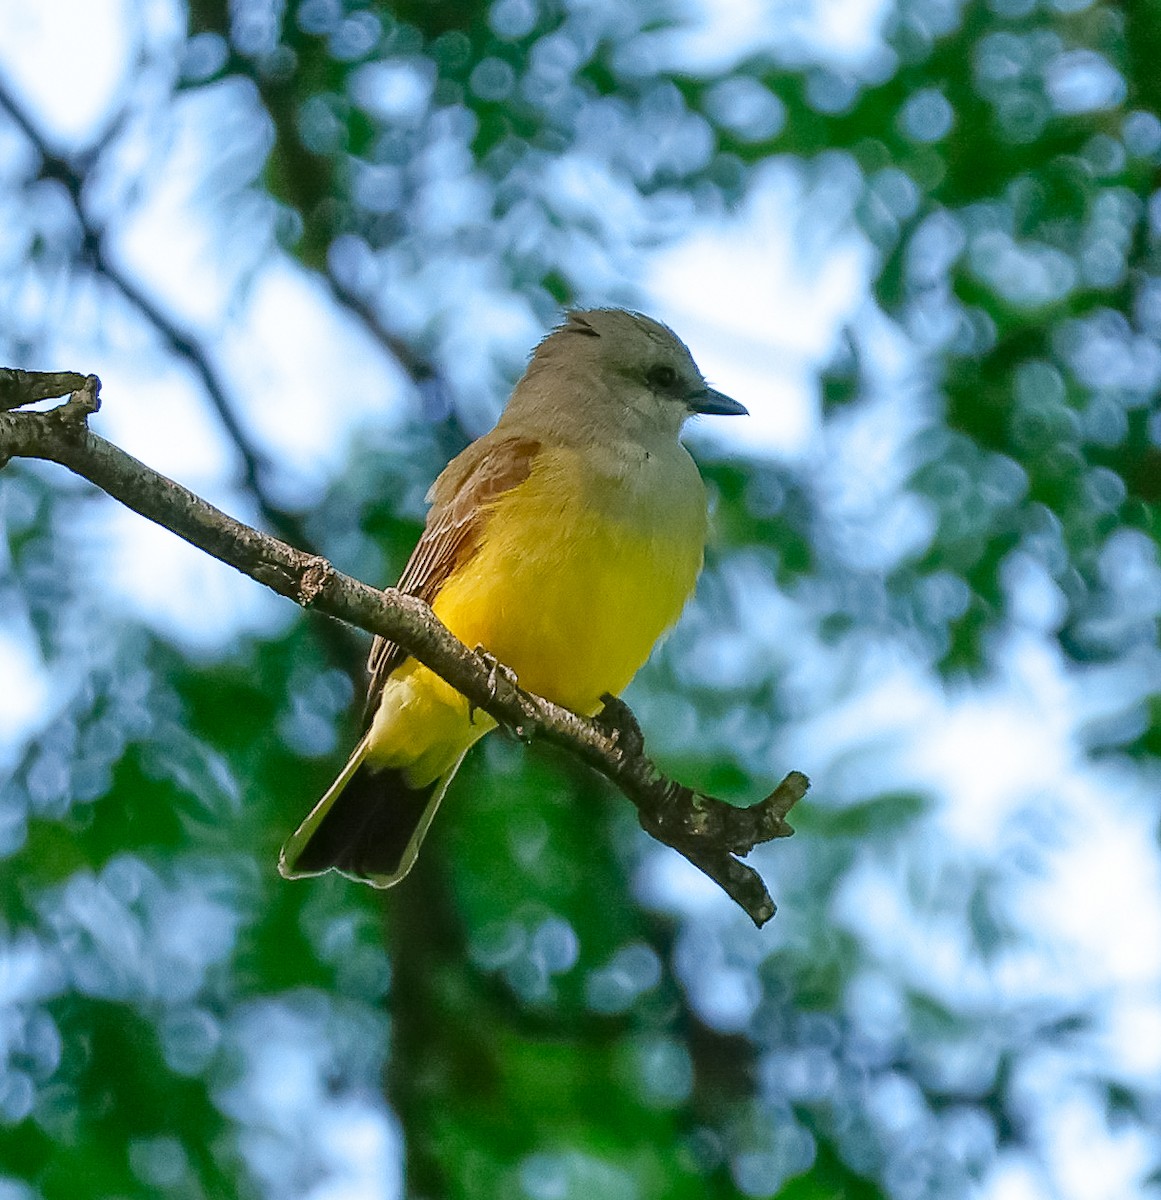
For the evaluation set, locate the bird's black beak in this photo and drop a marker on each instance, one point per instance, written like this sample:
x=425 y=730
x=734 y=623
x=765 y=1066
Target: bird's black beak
x=716 y=404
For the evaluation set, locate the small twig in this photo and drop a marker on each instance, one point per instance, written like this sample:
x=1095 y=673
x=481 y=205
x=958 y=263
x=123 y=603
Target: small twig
x=708 y=832
x=19 y=388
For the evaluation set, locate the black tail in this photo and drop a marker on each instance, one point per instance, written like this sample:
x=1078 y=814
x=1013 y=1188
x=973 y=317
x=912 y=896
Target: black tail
x=370 y=830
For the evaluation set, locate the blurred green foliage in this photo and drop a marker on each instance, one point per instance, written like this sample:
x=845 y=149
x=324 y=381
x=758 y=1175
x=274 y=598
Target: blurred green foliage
x=547 y=1036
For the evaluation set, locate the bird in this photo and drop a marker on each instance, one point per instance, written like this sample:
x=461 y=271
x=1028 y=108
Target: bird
x=563 y=543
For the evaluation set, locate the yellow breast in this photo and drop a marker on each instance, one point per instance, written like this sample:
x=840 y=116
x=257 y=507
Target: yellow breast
x=579 y=573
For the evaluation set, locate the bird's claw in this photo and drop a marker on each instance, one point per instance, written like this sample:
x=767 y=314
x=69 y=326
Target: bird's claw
x=496 y=671
x=618 y=721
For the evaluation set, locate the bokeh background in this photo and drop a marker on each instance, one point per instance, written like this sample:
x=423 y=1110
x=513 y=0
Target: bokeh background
x=308 y=246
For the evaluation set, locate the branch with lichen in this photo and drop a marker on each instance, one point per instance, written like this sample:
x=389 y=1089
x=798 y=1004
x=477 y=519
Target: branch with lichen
x=710 y=833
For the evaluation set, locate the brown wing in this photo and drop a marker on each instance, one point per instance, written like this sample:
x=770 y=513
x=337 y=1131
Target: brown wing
x=461 y=500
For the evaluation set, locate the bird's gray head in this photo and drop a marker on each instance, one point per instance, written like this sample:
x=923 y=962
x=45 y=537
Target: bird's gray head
x=618 y=369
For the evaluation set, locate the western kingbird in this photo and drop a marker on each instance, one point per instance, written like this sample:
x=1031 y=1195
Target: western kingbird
x=564 y=542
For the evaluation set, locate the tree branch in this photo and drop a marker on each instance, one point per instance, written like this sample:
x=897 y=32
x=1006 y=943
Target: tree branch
x=18 y=388
x=73 y=175
x=708 y=832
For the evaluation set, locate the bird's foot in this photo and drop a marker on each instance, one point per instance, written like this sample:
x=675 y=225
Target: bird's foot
x=497 y=671
x=618 y=721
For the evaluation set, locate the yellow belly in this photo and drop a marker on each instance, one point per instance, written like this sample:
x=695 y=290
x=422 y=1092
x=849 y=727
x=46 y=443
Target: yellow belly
x=570 y=595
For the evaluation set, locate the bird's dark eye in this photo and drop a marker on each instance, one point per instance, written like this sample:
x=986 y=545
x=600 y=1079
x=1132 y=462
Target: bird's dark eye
x=661 y=377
